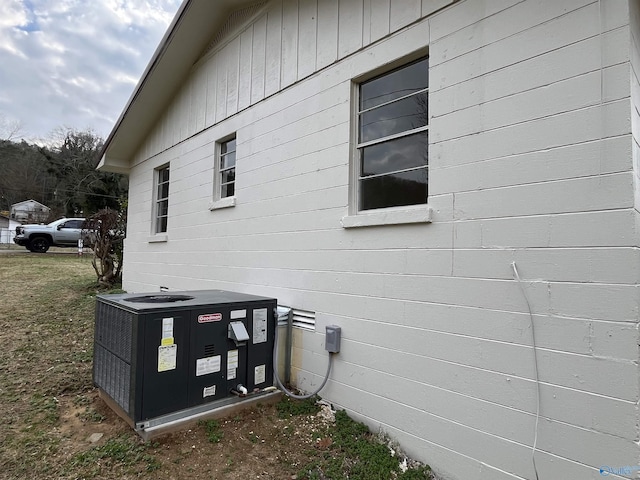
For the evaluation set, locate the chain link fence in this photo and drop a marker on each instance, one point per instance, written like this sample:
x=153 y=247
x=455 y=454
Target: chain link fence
x=6 y=237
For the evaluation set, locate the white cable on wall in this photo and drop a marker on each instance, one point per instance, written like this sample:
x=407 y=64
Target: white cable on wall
x=516 y=276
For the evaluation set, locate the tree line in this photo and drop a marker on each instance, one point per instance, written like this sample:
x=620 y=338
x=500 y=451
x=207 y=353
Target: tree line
x=61 y=175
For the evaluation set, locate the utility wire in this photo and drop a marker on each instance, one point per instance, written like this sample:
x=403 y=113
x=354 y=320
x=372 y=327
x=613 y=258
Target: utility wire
x=516 y=275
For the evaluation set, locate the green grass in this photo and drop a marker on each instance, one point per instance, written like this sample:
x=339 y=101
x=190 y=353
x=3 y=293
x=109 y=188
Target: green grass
x=354 y=453
x=122 y=451
x=289 y=407
x=213 y=430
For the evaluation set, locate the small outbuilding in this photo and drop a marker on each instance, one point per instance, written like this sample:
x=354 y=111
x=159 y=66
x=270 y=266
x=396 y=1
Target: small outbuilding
x=7 y=229
x=29 y=211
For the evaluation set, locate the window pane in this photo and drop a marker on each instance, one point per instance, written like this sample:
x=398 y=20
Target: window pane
x=163 y=208
x=163 y=175
x=227 y=190
x=227 y=179
x=228 y=160
x=393 y=155
x=163 y=191
x=394 y=118
x=395 y=84
x=228 y=176
x=161 y=224
x=227 y=147
x=394 y=190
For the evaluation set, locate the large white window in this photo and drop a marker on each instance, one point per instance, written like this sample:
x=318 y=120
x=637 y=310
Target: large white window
x=162 y=199
x=392 y=138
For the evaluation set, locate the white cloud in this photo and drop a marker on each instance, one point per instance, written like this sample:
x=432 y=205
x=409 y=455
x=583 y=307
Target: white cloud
x=13 y=15
x=75 y=62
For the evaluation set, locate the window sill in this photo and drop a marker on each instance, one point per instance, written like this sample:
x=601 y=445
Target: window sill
x=222 y=203
x=396 y=216
x=159 y=238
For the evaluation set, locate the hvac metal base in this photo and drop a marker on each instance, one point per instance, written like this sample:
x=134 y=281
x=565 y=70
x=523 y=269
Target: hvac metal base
x=176 y=421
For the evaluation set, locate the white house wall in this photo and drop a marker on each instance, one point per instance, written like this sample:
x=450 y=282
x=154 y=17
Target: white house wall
x=634 y=19
x=531 y=161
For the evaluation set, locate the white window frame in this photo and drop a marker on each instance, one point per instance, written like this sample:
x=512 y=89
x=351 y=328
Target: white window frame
x=218 y=200
x=160 y=235
x=417 y=213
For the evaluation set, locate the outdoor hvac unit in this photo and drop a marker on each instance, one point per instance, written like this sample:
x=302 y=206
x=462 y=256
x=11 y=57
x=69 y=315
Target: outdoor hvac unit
x=165 y=355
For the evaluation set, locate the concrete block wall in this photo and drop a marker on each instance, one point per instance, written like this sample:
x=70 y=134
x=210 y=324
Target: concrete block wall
x=634 y=77
x=533 y=160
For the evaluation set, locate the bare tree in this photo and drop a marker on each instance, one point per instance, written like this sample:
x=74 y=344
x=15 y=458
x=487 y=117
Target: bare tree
x=10 y=129
x=105 y=232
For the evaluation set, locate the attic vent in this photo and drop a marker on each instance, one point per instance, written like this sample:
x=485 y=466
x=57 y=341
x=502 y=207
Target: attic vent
x=304 y=319
x=236 y=19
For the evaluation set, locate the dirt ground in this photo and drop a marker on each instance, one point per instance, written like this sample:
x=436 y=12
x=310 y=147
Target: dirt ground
x=253 y=443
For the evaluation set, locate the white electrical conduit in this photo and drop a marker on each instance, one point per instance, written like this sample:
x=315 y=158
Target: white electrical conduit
x=516 y=276
x=277 y=376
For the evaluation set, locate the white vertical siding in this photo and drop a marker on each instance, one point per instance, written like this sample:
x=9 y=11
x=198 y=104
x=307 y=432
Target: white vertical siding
x=379 y=19
x=534 y=116
x=273 y=49
x=350 y=20
x=258 y=60
x=404 y=12
x=287 y=41
x=245 y=69
x=307 y=37
x=289 y=72
x=327 y=47
x=233 y=67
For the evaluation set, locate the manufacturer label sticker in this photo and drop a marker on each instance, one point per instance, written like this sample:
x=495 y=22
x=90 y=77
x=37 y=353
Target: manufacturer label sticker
x=209 y=391
x=209 y=317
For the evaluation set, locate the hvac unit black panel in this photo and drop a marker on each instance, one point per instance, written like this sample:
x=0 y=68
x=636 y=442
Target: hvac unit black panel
x=162 y=353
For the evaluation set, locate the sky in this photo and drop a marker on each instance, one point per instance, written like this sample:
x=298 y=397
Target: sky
x=73 y=64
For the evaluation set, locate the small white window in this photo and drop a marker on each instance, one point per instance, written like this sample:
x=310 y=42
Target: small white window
x=162 y=200
x=391 y=158
x=227 y=168
x=224 y=174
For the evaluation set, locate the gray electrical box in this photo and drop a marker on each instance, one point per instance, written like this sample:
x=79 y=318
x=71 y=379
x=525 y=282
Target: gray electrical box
x=332 y=340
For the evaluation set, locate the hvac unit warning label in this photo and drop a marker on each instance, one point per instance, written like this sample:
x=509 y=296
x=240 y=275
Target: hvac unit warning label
x=260 y=374
x=259 y=325
x=205 y=366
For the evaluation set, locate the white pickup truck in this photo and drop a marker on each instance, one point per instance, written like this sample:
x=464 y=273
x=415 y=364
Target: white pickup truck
x=38 y=238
